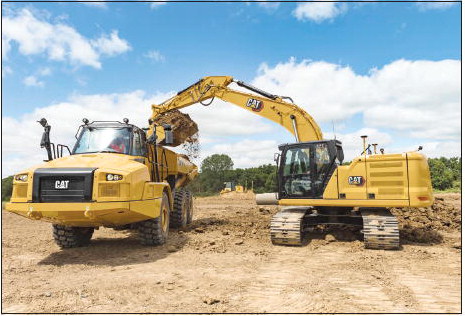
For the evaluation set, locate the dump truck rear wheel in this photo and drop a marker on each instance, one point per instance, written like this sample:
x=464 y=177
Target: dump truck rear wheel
x=190 y=209
x=71 y=237
x=154 y=232
x=179 y=216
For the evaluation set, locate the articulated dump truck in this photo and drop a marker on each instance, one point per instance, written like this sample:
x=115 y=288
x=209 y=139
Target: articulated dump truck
x=116 y=175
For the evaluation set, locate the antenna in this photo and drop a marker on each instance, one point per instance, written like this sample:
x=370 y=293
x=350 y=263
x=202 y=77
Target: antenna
x=333 y=129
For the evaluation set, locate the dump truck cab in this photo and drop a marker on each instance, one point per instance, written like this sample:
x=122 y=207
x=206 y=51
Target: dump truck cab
x=110 y=137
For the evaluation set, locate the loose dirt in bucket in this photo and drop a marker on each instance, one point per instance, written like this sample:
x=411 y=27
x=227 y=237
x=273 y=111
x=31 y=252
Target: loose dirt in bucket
x=224 y=262
x=185 y=130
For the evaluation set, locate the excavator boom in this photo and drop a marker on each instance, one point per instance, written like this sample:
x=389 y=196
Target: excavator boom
x=267 y=105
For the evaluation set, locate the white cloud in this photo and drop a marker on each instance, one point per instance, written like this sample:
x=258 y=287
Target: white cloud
x=111 y=45
x=156 y=5
x=101 y=5
x=247 y=152
x=36 y=35
x=421 y=98
x=155 y=55
x=434 y=5
x=269 y=5
x=319 y=11
x=45 y=71
x=32 y=81
x=353 y=144
x=222 y=119
x=6 y=70
x=442 y=149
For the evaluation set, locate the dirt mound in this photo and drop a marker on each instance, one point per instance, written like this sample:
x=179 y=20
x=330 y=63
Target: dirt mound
x=185 y=130
x=238 y=195
x=423 y=224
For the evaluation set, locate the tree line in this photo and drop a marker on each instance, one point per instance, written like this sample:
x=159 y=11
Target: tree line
x=217 y=169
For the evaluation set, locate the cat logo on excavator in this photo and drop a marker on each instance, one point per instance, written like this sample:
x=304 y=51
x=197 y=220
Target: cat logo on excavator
x=255 y=105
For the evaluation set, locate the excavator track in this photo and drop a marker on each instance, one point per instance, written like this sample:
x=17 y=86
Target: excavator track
x=287 y=227
x=380 y=229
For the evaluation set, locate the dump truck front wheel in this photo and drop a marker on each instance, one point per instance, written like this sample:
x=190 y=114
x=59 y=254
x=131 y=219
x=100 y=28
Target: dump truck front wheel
x=71 y=237
x=154 y=232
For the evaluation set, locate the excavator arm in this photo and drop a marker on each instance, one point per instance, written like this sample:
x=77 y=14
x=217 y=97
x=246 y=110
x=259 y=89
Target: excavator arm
x=272 y=107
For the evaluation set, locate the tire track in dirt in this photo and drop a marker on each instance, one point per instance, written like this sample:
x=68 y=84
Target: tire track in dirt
x=331 y=280
x=302 y=285
x=434 y=293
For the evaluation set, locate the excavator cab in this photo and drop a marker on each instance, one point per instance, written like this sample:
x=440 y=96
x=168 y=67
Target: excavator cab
x=305 y=168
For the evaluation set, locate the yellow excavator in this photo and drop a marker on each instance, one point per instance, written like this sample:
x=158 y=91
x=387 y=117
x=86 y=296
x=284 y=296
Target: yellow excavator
x=117 y=175
x=313 y=185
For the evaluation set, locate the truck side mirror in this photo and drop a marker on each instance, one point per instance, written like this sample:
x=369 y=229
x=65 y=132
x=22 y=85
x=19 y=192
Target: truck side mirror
x=168 y=134
x=276 y=157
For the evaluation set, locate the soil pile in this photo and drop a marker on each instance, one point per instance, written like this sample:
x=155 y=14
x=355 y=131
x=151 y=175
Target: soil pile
x=423 y=224
x=185 y=130
x=238 y=195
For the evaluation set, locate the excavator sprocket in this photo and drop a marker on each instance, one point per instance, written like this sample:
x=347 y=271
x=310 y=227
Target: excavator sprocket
x=287 y=227
x=380 y=229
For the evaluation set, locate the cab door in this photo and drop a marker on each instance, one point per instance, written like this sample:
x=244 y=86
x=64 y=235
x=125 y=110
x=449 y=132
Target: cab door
x=305 y=170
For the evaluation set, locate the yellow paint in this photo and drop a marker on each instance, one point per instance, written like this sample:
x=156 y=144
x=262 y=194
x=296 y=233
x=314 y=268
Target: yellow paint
x=332 y=190
x=88 y=214
x=356 y=168
x=343 y=202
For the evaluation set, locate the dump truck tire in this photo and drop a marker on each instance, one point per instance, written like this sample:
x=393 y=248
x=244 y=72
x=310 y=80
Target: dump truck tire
x=154 y=232
x=178 y=217
x=190 y=204
x=71 y=237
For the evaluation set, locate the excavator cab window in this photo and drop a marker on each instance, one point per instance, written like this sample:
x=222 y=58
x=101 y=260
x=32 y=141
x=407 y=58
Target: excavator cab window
x=305 y=169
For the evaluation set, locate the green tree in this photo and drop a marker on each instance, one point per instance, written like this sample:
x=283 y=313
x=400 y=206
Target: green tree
x=217 y=163
x=442 y=177
x=7 y=188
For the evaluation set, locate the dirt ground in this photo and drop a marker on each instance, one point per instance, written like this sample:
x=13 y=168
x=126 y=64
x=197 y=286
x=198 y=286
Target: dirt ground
x=225 y=262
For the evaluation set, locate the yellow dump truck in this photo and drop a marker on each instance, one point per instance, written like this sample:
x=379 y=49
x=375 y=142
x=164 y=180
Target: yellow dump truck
x=116 y=175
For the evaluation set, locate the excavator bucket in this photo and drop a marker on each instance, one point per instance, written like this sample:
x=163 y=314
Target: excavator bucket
x=183 y=127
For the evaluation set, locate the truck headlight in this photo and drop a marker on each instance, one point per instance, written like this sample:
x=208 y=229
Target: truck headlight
x=21 y=177
x=114 y=177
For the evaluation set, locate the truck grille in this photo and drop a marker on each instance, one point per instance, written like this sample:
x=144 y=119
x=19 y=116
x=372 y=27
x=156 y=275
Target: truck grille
x=63 y=185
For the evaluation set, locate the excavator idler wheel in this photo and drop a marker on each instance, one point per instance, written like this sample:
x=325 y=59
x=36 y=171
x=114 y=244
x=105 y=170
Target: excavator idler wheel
x=154 y=232
x=71 y=237
x=179 y=215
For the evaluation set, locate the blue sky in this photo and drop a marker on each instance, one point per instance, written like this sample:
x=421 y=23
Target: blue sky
x=158 y=49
